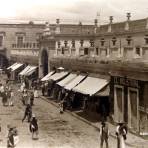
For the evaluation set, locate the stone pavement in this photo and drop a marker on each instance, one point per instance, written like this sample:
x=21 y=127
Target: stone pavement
x=68 y=130
x=132 y=141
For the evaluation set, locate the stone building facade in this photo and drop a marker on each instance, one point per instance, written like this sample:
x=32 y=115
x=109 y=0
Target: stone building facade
x=18 y=42
x=118 y=50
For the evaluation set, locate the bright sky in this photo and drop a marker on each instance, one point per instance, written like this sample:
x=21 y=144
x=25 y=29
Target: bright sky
x=68 y=10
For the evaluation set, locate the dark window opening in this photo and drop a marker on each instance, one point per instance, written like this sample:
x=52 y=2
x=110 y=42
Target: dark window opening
x=86 y=51
x=102 y=42
x=62 y=50
x=65 y=43
x=114 y=41
x=73 y=43
x=97 y=51
x=138 y=51
x=129 y=40
x=20 y=40
x=81 y=42
x=146 y=39
x=59 y=44
x=91 y=43
x=1 y=40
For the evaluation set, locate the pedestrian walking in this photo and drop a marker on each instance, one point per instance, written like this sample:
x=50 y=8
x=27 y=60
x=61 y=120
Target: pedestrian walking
x=1 y=89
x=22 y=87
x=34 y=127
x=31 y=98
x=12 y=138
x=11 y=100
x=104 y=134
x=121 y=132
x=43 y=89
x=28 y=113
x=36 y=95
x=4 y=98
x=61 y=107
x=25 y=98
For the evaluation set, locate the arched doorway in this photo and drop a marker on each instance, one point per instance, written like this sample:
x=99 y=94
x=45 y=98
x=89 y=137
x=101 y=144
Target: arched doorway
x=3 y=61
x=44 y=60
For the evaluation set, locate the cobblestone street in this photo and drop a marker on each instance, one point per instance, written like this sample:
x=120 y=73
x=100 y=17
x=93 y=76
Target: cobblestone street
x=55 y=130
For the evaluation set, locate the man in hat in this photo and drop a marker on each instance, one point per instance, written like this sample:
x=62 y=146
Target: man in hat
x=104 y=134
x=28 y=113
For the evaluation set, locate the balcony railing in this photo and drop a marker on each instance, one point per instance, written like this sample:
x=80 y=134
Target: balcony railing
x=28 y=45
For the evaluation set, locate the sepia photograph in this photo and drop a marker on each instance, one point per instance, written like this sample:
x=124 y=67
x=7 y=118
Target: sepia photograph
x=74 y=74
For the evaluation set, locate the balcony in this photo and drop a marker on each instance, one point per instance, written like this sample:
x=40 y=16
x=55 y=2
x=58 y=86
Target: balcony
x=28 y=45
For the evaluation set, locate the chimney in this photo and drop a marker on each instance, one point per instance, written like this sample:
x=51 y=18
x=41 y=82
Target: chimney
x=96 y=22
x=128 y=15
x=58 y=21
x=109 y=26
x=80 y=23
x=47 y=30
x=111 y=19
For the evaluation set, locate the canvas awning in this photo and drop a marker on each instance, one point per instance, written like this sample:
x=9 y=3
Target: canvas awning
x=24 y=70
x=31 y=70
x=15 y=67
x=68 y=79
x=12 y=65
x=103 y=92
x=46 y=78
x=57 y=76
x=90 y=86
x=74 y=82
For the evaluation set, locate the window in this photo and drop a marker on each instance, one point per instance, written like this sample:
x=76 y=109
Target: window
x=129 y=40
x=34 y=45
x=114 y=41
x=86 y=51
x=20 y=40
x=81 y=43
x=97 y=51
x=138 y=51
x=59 y=44
x=73 y=43
x=1 y=41
x=91 y=43
x=146 y=39
x=102 y=42
x=65 y=43
x=62 y=50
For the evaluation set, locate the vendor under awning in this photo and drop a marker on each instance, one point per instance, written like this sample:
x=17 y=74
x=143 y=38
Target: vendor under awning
x=91 y=86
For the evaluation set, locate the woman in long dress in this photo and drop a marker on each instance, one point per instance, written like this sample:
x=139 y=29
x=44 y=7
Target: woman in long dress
x=34 y=127
x=121 y=135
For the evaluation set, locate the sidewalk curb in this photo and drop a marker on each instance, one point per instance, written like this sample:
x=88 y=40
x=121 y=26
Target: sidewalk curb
x=80 y=118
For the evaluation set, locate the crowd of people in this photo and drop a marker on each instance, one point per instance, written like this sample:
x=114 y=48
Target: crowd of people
x=28 y=95
x=27 y=98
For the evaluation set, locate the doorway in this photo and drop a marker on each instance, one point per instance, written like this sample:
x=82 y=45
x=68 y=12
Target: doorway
x=118 y=103
x=133 y=119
